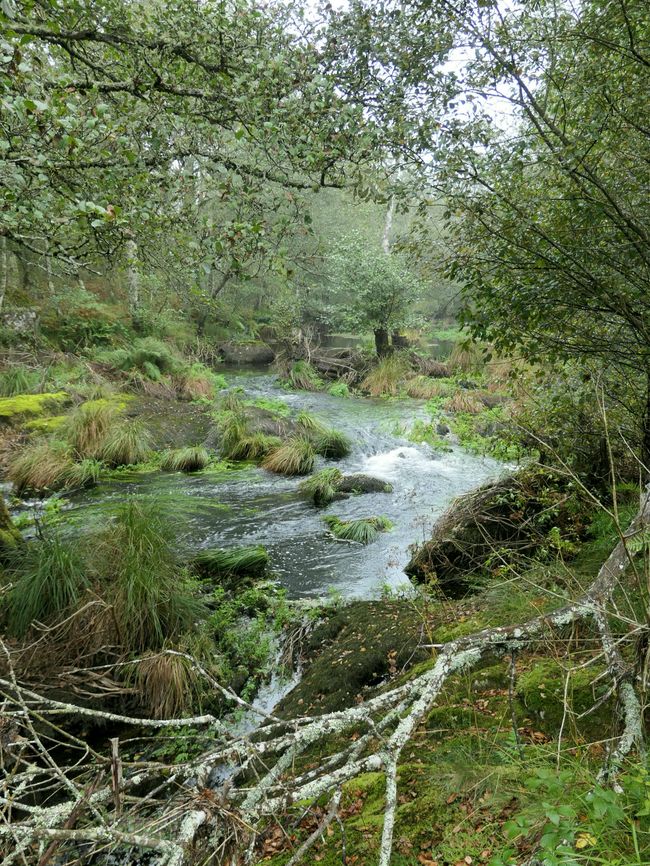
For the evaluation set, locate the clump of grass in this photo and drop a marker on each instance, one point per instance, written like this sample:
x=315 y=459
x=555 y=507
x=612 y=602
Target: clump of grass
x=309 y=423
x=332 y=444
x=466 y=357
x=322 y=487
x=296 y=456
x=153 y=598
x=464 y=403
x=232 y=401
x=126 y=444
x=233 y=429
x=256 y=447
x=423 y=388
x=363 y=531
x=386 y=378
x=218 y=563
x=83 y=474
x=87 y=428
x=190 y=459
x=49 y=579
x=198 y=382
x=303 y=377
x=40 y=468
x=166 y=683
x=18 y=380
x=147 y=355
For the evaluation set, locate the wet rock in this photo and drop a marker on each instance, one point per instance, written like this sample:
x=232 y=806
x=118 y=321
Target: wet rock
x=247 y=353
x=442 y=429
x=363 y=484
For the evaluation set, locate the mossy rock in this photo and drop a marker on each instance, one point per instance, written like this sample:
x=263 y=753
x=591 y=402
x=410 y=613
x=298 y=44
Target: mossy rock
x=21 y=405
x=357 y=484
x=48 y=424
x=354 y=649
x=540 y=691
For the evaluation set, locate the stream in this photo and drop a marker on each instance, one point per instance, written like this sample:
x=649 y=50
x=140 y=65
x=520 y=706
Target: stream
x=252 y=506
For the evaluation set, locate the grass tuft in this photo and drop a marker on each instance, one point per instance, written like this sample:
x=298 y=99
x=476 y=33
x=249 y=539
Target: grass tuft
x=321 y=487
x=126 y=444
x=303 y=377
x=464 y=403
x=296 y=456
x=332 y=444
x=191 y=459
x=166 y=683
x=466 y=357
x=88 y=426
x=218 y=563
x=362 y=531
x=18 y=380
x=40 y=468
x=386 y=378
x=424 y=388
x=48 y=581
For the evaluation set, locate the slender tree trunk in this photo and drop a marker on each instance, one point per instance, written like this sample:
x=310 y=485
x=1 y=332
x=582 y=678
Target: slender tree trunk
x=132 y=276
x=4 y=270
x=48 y=271
x=645 y=440
x=388 y=225
x=382 y=342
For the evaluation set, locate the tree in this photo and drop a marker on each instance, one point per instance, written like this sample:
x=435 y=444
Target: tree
x=376 y=290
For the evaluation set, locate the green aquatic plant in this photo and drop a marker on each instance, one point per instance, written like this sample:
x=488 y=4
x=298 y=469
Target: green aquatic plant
x=296 y=456
x=190 y=459
x=88 y=426
x=153 y=598
x=218 y=563
x=332 y=444
x=321 y=488
x=48 y=579
x=126 y=444
x=363 y=531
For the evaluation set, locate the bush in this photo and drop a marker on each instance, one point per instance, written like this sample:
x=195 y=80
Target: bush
x=386 y=378
x=153 y=598
x=191 y=459
x=147 y=355
x=48 y=581
x=126 y=444
x=362 y=531
x=294 y=457
x=322 y=487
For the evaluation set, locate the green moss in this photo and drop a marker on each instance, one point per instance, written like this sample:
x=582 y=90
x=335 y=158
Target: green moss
x=46 y=425
x=29 y=404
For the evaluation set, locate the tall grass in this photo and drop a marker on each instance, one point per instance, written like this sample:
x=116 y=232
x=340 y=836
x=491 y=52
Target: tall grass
x=425 y=388
x=463 y=402
x=167 y=684
x=18 y=380
x=321 y=488
x=198 y=382
x=332 y=444
x=218 y=563
x=87 y=428
x=303 y=377
x=362 y=531
x=296 y=456
x=233 y=428
x=126 y=444
x=40 y=468
x=387 y=377
x=191 y=459
x=466 y=357
x=49 y=578
x=153 y=599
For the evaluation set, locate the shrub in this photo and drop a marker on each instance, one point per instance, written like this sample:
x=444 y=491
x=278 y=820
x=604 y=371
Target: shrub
x=386 y=378
x=191 y=459
x=88 y=427
x=147 y=355
x=126 y=444
x=18 y=380
x=48 y=580
x=465 y=403
x=332 y=444
x=218 y=563
x=153 y=598
x=296 y=456
x=303 y=377
x=321 y=487
x=362 y=531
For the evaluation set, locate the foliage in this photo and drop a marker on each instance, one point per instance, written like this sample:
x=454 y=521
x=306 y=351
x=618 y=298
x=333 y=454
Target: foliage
x=424 y=388
x=147 y=355
x=296 y=456
x=321 y=487
x=466 y=357
x=464 y=402
x=339 y=389
x=190 y=459
x=18 y=380
x=40 y=468
x=88 y=427
x=303 y=377
x=362 y=531
x=331 y=444
x=48 y=580
x=218 y=563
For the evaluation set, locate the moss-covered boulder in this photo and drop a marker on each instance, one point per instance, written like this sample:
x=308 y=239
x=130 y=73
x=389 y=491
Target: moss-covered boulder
x=357 y=484
x=21 y=406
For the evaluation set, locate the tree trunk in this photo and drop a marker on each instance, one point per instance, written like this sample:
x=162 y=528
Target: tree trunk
x=382 y=342
x=645 y=440
x=132 y=276
x=4 y=270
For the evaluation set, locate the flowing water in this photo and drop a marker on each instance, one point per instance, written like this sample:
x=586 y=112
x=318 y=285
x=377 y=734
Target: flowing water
x=252 y=506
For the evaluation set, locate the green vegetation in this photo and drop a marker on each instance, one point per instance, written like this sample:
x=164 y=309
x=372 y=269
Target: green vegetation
x=296 y=456
x=303 y=377
x=191 y=459
x=126 y=444
x=331 y=444
x=386 y=377
x=240 y=561
x=18 y=380
x=87 y=428
x=29 y=404
x=321 y=488
x=362 y=531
